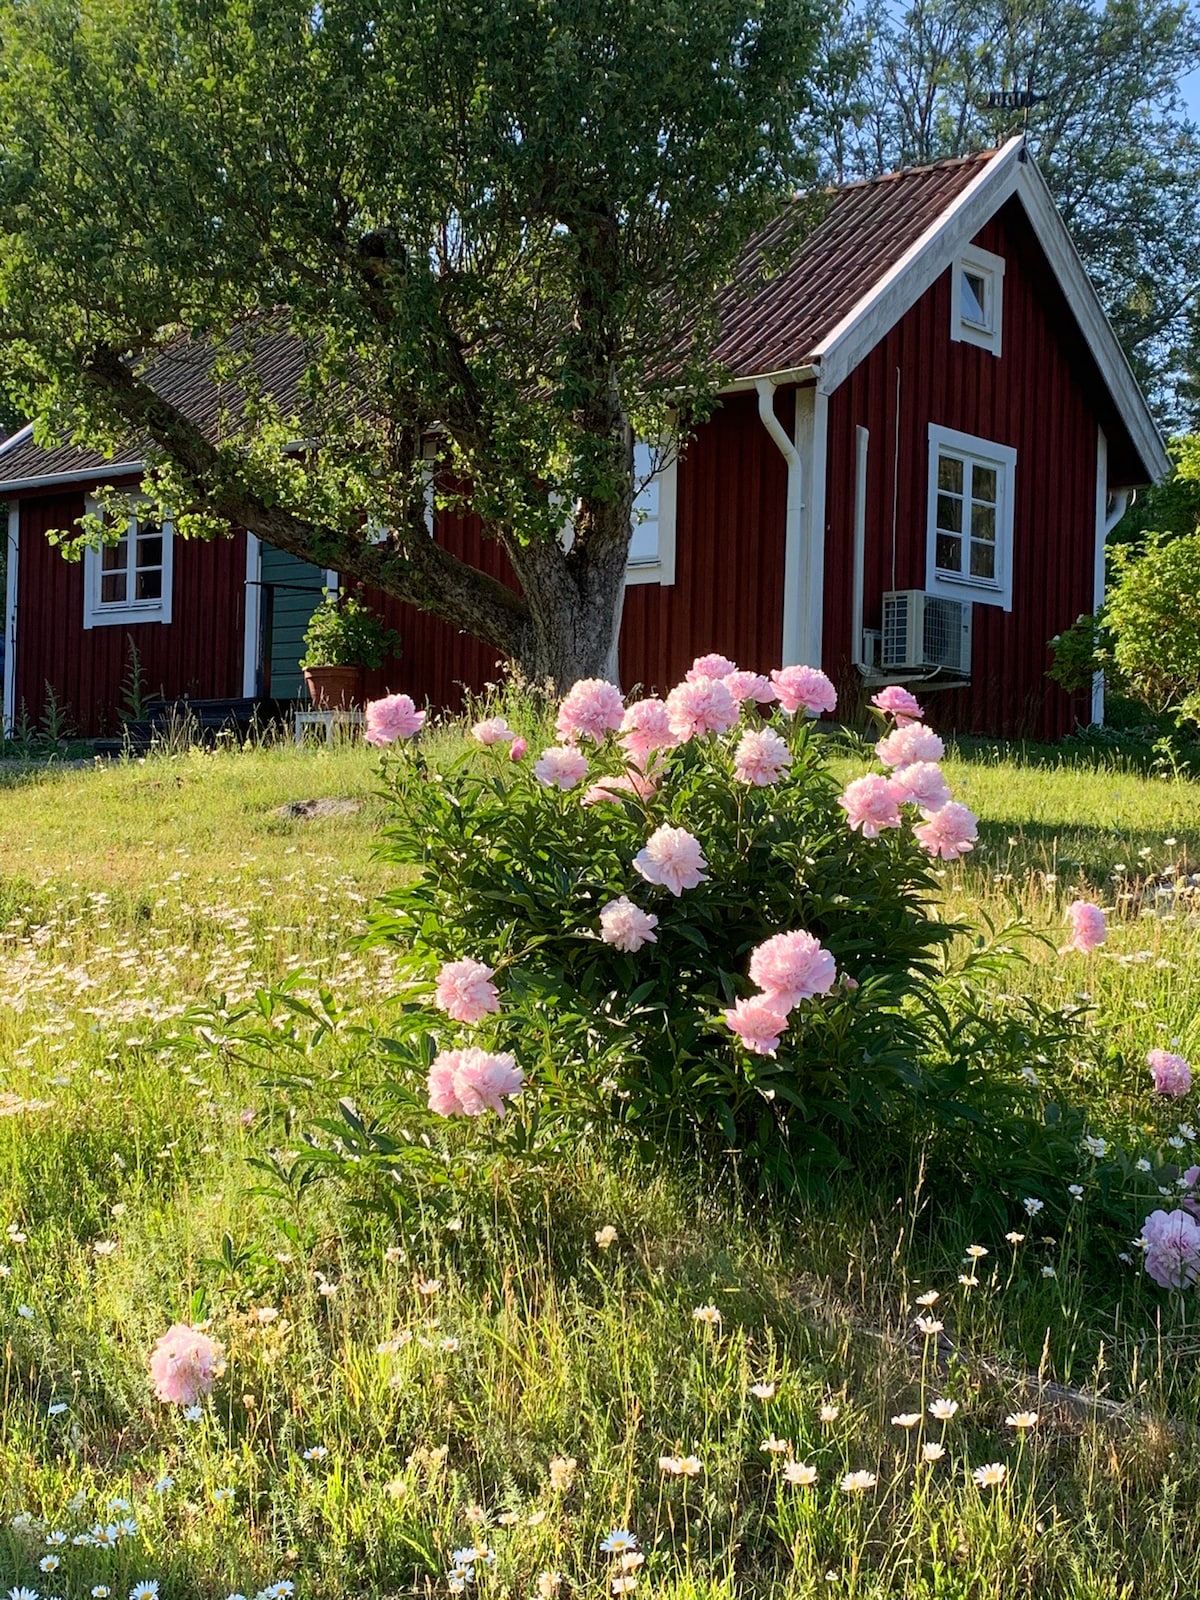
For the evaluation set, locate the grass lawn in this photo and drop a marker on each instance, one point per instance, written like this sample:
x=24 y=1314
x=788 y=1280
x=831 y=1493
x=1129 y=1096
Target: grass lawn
x=488 y=1374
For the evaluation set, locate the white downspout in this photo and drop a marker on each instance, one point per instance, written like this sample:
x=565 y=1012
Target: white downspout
x=1106 y=520
x=795 y=588
x=861 y=440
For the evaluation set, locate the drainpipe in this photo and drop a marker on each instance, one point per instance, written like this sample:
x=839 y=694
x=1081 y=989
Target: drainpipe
x=795 y=570
x=861 y=440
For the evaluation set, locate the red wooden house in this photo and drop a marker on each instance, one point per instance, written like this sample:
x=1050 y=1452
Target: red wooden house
x=927 y=433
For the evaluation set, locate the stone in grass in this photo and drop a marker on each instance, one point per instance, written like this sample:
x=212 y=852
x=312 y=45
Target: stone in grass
x=314 y=810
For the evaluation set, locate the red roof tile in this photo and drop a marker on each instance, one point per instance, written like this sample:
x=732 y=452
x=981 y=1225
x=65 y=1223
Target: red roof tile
x=773 y=315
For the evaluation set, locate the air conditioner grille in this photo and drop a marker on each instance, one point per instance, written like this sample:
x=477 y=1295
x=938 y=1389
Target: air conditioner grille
x=943 y=633
x=895 y=648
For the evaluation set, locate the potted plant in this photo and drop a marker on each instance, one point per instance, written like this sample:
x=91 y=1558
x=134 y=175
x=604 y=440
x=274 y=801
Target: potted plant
x=344 y=637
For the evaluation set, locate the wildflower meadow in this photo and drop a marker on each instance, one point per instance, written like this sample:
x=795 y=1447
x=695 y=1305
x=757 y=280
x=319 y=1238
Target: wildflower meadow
x=627 y=1146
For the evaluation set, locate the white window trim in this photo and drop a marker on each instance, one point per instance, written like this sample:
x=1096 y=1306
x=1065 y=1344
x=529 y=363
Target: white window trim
x=662 y=570
x=1003 y=457
x=991 y=269
x=128 y=612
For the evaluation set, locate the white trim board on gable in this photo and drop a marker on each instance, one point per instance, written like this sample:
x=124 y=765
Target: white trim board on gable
x=1011 y=171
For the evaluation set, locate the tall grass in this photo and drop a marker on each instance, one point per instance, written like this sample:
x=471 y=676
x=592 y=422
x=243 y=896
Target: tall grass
x=374 y=1423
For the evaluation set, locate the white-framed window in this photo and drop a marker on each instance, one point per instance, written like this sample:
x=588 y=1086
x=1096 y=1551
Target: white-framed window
x=129 y=579
x=652 y=547
x=977 y=300
x=969 y=532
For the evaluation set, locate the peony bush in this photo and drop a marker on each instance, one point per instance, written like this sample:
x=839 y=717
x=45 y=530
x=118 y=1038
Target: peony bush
x=674 y=919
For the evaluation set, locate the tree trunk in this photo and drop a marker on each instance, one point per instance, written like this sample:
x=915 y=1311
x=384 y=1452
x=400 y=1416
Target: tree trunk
x=575 y=598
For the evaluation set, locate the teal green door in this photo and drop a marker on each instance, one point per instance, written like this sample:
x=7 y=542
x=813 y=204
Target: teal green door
x=291 y=592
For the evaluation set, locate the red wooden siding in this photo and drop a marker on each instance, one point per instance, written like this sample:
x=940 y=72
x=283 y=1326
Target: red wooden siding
x=728 y=589
x=1034 y=397
x=437 y=662
x=199 y=653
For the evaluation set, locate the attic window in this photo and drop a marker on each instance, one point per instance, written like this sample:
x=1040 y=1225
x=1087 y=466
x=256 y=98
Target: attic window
x=977 y=301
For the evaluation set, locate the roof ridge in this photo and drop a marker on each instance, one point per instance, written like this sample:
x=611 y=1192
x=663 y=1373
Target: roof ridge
x=898 y=173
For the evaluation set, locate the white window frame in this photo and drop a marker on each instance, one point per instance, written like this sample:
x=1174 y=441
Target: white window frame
x=988 y=335
x=99 y=613
x=1002 y=458
x=661 y=568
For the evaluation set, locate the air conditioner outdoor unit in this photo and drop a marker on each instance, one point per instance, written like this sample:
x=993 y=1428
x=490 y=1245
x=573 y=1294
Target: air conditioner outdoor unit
x=923 y=632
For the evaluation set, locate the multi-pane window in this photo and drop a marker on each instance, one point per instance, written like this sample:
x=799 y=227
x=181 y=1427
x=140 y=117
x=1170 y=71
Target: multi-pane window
x=970 y=516
x=132 y=568
x=128 y=579
x=966 y=517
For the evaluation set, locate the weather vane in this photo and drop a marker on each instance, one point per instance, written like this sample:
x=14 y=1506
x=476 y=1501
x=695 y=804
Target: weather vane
x=1022 y=100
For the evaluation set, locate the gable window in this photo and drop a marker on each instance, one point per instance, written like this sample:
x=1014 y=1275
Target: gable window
x=130 y=578
x=977 y=300
x=652 y=547
x=970 y=522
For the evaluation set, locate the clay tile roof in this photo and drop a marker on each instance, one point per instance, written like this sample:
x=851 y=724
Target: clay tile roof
x=773 y=323
x=182 y=374
x=773 y=316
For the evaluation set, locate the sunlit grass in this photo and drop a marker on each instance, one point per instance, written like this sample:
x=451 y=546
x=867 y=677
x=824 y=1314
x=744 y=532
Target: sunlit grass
x=364 y=1424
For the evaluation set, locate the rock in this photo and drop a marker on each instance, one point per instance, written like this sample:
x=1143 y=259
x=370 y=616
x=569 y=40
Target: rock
x=312 y=810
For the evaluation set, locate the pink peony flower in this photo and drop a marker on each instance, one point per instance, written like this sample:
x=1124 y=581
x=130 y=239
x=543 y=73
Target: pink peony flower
x=911 y=743
x=495 y=730
x=641 y=784
x=184 y=1365
x=1190 y=1200
x=518 y=750
x=592 y=709
x=1172 y=1075
x=753 y=686
x=1171 y=1240
x=897 y=702
x=469 y=1082
x=672 y=858
x=948 y=832
x=701 y=705
x=804 y=689
x=757 y=1024
x=922 y=784
x=1088 y=927
x=761 y=757
x=645 y=728
x=870 y=804
x=464 y=991
x=394 y=717
x=561 y=767
x=791 y=967
x=627 y=926
x=713 y=666
x=443 y=1094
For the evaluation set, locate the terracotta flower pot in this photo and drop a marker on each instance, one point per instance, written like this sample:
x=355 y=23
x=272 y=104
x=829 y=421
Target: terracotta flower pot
x=334 y=688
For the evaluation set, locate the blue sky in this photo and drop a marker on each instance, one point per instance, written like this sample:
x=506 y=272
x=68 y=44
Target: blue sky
x=1191 y=93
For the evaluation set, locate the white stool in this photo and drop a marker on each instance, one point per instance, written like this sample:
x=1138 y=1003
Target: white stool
x=332 y=721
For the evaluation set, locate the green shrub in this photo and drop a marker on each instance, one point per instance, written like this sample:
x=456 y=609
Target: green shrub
x=343 y=632
x=1146 y=638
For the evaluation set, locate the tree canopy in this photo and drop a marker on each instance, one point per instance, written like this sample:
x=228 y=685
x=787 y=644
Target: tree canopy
x=500 y=223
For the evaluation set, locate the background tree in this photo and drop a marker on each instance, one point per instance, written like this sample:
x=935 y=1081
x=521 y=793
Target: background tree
x=504 y=220
x=1110 y=134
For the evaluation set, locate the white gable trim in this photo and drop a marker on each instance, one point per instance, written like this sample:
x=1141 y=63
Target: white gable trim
x=1055 y=239
x=919 y=268
x=1011 y=171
